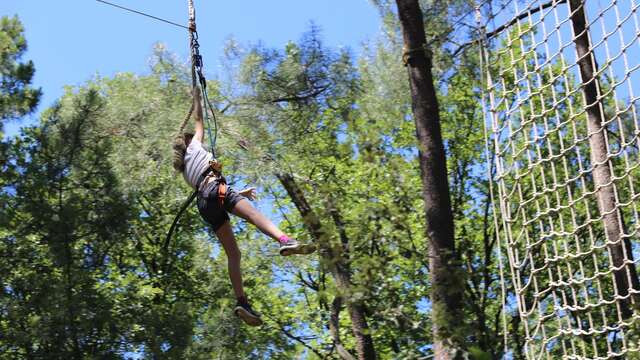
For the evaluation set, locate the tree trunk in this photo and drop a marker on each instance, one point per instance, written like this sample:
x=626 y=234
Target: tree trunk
x=337 y=265
x=626 y=277
x=334 y=329
x=446 y=287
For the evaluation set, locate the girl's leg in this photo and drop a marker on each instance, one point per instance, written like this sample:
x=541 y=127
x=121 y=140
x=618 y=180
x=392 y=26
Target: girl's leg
x=228 y=240
x=246 y=211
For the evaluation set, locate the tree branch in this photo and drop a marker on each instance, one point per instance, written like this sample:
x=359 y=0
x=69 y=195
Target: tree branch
x=334 y=328
x=298 y=339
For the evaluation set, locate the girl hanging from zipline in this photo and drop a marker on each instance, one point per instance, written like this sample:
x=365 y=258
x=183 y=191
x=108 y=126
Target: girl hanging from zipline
x=216 y=200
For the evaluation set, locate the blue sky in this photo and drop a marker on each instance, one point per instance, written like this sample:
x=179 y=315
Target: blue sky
x=72 y=40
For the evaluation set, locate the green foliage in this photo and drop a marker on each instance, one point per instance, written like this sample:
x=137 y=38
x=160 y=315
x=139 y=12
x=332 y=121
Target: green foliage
x=17 y=97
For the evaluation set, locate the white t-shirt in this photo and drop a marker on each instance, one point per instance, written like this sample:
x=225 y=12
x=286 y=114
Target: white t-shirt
x=196 y=161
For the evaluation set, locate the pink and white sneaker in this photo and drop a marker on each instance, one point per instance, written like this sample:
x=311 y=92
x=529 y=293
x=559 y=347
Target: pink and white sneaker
x=289 y=246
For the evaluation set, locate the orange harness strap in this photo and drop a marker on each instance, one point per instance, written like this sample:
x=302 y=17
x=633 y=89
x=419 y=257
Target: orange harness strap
x=222 y=193
x=216 y=167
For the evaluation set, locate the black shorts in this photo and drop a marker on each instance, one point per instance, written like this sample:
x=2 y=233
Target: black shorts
x=209 y=206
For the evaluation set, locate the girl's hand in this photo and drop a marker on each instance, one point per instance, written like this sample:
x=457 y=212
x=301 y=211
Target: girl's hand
x=249 y=193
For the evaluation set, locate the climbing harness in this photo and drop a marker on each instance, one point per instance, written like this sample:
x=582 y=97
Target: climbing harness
x=214 y=172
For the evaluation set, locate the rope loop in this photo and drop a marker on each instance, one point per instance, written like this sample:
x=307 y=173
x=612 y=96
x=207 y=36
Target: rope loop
x=407 y=53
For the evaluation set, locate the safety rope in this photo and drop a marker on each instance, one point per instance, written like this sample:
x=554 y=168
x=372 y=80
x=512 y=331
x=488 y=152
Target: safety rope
x=186 y=120
x=195 y=57
x=198 y=78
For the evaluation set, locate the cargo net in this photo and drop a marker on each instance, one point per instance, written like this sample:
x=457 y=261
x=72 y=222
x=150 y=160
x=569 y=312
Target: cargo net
x=562 y=83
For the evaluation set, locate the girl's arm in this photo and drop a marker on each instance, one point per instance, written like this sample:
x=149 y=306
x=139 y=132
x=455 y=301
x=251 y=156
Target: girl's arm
x=197 y=108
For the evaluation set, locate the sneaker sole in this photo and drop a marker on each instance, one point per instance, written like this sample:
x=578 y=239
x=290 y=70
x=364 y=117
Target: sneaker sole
x=247 y=317
x=300 y=249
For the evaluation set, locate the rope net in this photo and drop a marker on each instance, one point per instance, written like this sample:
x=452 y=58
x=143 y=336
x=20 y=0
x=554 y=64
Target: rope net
x=562 y=98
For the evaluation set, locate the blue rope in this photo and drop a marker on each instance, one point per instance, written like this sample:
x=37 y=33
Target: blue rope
x=213 y=136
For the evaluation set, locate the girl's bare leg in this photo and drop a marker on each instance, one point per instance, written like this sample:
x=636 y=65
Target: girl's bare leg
x=228 y=240
x=246 y=211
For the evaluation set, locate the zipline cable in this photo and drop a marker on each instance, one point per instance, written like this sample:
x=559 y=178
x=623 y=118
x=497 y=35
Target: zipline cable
x=143 y=14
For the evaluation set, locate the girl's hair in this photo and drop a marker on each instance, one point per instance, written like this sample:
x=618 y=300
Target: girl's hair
x=180 y=144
